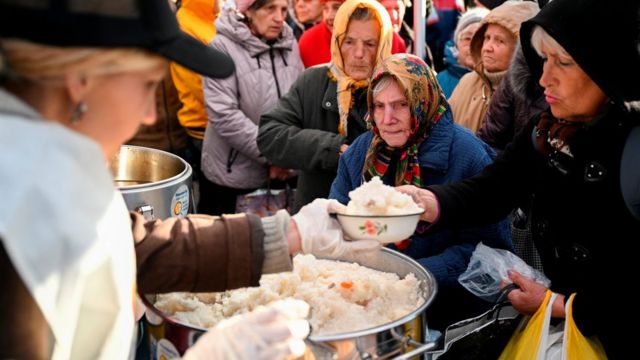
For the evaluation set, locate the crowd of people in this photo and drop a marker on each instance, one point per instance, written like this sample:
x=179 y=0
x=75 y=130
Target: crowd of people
x=511 y=115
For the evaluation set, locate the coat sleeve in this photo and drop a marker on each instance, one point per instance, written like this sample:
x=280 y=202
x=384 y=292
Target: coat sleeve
x=489 y=196
x=225 y=115
x=498 y=124
x=454 y=247
x=288 y=138
x=30 y=336
x=342 y=183
x=198 y=253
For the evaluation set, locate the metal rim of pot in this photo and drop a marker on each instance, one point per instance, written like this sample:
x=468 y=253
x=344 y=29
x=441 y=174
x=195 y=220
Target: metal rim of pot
x=428 y=284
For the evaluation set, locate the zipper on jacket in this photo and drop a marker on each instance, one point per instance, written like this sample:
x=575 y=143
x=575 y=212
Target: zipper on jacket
x=273 y=70
x=233 y=155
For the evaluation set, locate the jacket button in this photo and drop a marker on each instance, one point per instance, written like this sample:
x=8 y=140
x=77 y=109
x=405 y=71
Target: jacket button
x=327 y=104
x=542 y=228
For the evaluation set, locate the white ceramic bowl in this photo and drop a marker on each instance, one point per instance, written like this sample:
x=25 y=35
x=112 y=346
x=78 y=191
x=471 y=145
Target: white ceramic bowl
x=384 y=228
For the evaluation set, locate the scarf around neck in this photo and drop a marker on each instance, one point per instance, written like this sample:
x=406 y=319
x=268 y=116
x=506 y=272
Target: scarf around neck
x=346 y=85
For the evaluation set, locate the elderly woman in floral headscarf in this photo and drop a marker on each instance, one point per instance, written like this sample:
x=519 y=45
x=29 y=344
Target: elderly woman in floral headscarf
x=413 y=140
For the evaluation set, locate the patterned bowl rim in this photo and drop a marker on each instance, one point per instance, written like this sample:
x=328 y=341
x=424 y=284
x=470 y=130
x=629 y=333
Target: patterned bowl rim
x=380 y=216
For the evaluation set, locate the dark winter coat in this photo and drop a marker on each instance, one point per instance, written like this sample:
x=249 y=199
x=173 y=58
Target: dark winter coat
x=517 y=100
x=581 y=225
x=302 y=132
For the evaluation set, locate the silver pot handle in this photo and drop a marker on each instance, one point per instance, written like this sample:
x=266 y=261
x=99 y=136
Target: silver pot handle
x=146 y=211
x=420 y=348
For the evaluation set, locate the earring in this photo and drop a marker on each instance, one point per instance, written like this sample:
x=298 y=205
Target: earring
x=78 y=111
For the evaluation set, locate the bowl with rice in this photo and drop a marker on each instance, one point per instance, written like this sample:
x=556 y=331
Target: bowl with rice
x=379 y=212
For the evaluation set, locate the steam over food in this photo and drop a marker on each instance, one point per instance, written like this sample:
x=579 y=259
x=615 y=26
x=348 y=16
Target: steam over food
x=376 y=198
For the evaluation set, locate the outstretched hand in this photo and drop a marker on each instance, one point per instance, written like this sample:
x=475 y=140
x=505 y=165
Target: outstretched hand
x=424 y=199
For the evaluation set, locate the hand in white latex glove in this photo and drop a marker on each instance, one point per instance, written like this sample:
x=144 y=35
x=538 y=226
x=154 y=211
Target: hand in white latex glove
x=275 y=331
x=321 y=235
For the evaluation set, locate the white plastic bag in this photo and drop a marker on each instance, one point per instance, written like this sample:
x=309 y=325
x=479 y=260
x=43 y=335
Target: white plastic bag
x=488 y=269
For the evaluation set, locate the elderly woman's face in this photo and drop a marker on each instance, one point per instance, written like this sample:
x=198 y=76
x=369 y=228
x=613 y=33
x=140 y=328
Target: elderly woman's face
x=359 y=48
x=267 y=22
x=497 y=48
x=569 y=91
x=117 y=104
x=392 y=115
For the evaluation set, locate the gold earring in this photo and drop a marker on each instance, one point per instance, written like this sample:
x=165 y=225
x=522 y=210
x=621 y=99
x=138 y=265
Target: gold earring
x=78 y=112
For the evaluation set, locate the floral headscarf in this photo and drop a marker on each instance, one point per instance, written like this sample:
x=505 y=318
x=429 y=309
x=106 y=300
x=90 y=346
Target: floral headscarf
x=347 y=85
x=427 y=104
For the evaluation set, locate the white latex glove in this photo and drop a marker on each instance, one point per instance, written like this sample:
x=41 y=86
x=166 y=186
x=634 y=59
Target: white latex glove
x=274 y=331
x=321 y=234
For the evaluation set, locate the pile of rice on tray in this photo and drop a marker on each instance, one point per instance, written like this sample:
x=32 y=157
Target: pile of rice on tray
x=343 y=297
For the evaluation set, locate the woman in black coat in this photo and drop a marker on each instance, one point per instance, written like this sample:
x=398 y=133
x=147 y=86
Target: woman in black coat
x=576 y=161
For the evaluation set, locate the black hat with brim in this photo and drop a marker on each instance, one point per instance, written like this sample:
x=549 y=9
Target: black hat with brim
x=146 y=24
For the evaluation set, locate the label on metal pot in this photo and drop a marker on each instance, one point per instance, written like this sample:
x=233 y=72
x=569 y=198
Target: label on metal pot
x=165 y=350
x=180 y=202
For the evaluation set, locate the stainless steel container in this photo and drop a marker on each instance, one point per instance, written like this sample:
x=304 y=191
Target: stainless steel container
x=153 y=182
x=402 y=338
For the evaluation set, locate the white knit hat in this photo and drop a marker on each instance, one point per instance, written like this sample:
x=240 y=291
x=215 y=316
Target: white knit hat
x=472 y=16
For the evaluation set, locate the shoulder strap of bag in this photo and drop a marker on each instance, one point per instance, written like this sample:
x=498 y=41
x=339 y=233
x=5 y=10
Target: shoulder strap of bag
x=630 y=172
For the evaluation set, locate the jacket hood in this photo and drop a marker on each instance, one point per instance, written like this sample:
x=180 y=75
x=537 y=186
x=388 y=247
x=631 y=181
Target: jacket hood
x=230 y=25
x=451 y=60
x=204 y=9
x=602 y=38
x=509 y=15
x=519 y=76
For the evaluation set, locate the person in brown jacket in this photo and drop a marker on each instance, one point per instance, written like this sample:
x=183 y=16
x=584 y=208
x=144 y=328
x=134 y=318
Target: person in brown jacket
x=72 y=257
x=492 y=47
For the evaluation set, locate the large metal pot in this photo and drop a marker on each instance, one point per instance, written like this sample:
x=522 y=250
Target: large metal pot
x=402 y=338
x=153 y=182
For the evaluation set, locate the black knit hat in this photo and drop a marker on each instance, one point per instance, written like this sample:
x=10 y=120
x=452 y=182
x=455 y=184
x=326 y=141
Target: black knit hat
x=147 y=24
x=601 y=36
x=491 y=4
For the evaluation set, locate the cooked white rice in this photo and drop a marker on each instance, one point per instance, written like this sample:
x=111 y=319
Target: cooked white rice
x=376 y=198
x=343 y=297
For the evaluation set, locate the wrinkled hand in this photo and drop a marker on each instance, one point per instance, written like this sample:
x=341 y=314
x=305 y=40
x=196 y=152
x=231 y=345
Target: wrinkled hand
x=530 y=294
x=425 y=199
x=278 y=173
x=321 y=235
x=275 y=331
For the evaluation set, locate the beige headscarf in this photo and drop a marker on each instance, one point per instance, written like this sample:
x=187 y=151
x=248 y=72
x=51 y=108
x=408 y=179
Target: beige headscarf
x=347 y=85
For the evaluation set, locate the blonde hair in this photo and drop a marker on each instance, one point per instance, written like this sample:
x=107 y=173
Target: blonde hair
x=44 y=63
x=540 y=38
